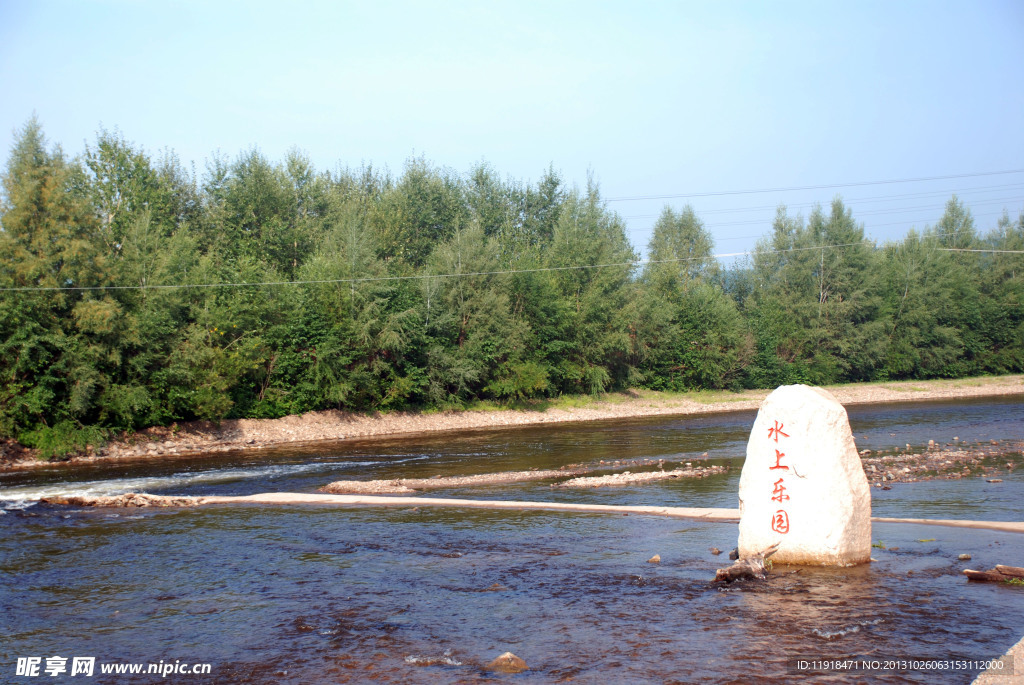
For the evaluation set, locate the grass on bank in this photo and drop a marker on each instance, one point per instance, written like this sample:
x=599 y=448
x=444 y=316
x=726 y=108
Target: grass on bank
x=654 y=397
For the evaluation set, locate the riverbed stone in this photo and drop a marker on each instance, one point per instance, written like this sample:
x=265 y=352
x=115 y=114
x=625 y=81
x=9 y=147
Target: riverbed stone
x=507 y=663
x=803 y=484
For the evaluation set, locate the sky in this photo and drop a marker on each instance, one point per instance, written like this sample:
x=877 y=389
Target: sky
x=685 y=102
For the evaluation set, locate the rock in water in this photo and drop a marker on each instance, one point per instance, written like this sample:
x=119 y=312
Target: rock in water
x=803 y=484
x=507 y=663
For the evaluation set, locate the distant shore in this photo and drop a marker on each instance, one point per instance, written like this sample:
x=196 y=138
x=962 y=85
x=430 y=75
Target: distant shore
x=336 y=426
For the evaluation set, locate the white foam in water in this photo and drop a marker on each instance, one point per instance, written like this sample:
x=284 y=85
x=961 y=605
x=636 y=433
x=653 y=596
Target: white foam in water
x=16 y=505
x=828 y=635
x=446 y=659
x=21 y=497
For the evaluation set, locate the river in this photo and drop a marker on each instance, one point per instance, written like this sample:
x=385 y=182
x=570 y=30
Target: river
x=309 y=594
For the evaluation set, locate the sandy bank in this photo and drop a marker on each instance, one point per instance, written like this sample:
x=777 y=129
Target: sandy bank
x=328 y=426
x=630 y=478
x=411 y=485
x=406 y=486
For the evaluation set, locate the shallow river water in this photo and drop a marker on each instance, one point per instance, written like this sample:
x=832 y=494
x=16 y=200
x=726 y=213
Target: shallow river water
x=310 y=594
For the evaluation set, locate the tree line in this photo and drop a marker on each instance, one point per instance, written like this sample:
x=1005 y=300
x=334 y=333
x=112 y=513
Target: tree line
x=136 y=293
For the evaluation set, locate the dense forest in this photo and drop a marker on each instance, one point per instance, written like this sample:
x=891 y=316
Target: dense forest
x=134 y=293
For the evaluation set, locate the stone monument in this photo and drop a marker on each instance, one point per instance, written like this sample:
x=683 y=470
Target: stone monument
x=802 y=484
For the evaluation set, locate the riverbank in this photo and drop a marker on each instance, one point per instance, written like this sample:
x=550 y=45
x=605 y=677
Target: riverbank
x=332 y=426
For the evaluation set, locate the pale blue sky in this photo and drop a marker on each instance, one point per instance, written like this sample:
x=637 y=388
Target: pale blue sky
x=654 y=98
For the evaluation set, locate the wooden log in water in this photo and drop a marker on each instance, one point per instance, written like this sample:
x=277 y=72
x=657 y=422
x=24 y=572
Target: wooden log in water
x=992 y=576
x=752 y=567
x=703 y=514
x=999 y=574
x=1012 y=571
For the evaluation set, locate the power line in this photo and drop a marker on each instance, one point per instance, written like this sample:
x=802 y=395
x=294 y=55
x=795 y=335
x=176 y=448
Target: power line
x=848 y=201
x=501 y=272
x=755 y=222
x=417 y=277
x=813 y=187
x=922 y=236
x=863 y=212
x=964 y=249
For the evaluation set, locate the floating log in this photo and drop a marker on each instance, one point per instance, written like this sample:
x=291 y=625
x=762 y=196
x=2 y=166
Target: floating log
x=999 y=574
x=702 y=514
x=992 y=576
x=1012 y=571
x=751 y=567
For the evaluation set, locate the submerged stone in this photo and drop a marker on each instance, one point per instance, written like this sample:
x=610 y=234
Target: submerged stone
x=507 y=663
x=803 y=484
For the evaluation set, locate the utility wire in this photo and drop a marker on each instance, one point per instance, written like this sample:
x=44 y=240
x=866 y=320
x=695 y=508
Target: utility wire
x=635 y=263
x=960 y=193
x=862 y=212
x=755 y=222
x=416 y=277
x=964 y=249
x=814 y=187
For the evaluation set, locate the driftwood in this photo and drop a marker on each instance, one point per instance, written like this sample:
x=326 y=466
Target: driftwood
x=751 y=567
x=1012 y=571
x=999 y=574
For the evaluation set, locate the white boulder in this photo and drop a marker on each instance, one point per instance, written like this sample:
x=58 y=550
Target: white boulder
x=802 y=483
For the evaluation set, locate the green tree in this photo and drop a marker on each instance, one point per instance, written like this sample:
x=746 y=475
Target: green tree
x=258 y=210
x=363 y=353
x=418 y=213
x=702 y=343
x=818 y=302
x=591 y=349
x=680 y=251
x=475 y=342
x=1002 y=290
x=921 y=342
x=124 y=184
x=48 y=240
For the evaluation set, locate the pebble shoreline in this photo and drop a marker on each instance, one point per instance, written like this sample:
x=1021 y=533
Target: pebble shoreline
x=198 y=438
x=989 y=460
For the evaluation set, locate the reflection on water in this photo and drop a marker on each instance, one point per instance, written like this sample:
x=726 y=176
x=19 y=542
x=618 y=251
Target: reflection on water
x=309 y=594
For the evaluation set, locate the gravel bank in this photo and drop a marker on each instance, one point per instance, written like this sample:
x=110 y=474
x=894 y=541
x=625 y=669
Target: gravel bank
x=630 y=478
x=405 y=486
x=567 y=477
x=327 y=426
x=953 y=461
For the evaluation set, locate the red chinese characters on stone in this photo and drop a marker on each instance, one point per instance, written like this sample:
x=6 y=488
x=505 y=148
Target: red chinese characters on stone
x=778 y=456
x=777 y=431
x=780 y=522
x=780 y=519
x=779 y=493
